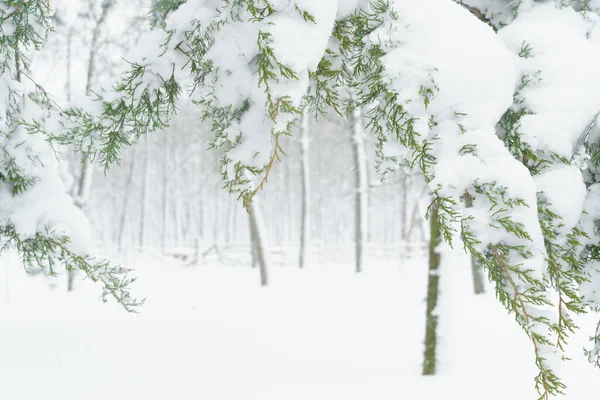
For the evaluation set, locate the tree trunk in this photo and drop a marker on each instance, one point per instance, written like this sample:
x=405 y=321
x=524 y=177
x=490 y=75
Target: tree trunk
x=229 y=220
x=126 y=201
x=252 y=241
x=404 y=219
x=431 y=319
x=68 y=84
x=181 y=207
x=361 y=191
x=201 y=229
x=217 y=220
x=305 y=187
x=476 y=270
x=144 y=199
x=478 y=285
x=259 y=241
x=81 y=198
x=165 y=199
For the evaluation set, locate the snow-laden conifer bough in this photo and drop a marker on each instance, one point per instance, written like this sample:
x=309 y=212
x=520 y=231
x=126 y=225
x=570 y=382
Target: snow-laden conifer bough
x=495 y=101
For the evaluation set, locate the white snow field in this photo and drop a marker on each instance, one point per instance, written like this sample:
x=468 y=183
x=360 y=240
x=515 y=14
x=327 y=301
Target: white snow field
x=211 y=332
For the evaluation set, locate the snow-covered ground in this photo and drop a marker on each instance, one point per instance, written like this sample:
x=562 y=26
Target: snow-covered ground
x=211 y=332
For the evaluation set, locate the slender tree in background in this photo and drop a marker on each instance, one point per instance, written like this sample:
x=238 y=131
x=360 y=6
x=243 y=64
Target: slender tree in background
x=433 y=283
x=144 y=196
x=260 y=248
x=476 y=270
x=305 y=187
x=126 y=197
x=361 y=189
x=404 y=213
x=166 y=191
x=253 y=242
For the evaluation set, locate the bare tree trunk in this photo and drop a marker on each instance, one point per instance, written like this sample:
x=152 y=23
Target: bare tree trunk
x=229 y=220
x=416 y=221
x=70 y=274
x=259 y=241
x=404 y=224
x=361 y=191
x=431 y=319
x=305 y=186
x=320 y=225
x=144 y=199
x=81 y=199
x=68 y=84
x=84 y=185
x=165 y=199
x=288 y=206
x=216 y=222
x=253 y=243
x=407 y=186
x=180 y=207
x=235 y=234
x=478 y=285
x=126 y=200
x=476 y=270
x=201 y=230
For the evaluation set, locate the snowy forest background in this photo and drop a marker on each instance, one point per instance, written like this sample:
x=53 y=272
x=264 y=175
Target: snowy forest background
x=208 y=329
x=167 y=194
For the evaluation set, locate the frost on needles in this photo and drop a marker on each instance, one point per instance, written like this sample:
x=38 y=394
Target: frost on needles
x=495 y=102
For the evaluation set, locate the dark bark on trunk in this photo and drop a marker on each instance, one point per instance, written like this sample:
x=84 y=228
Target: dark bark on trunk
x=431 y=319
x=477 y=271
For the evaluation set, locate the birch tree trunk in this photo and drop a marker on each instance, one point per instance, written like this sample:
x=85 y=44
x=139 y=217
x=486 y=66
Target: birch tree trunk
x=144 y=199
x=165 y=199
x=430 y=360
x=361 y=191
x=68 y=84
x=81 y=198
x=126 y=201
x=259 y=241
x=252 y=241
x=305 y=187
x=229 y=220
x=180 y=207
x=403 y=212
x=404 y=219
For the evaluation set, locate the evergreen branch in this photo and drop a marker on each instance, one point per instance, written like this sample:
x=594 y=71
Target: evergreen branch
x=275 y=156
x=15 y=11
x=549 y=382
x=46 y=251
